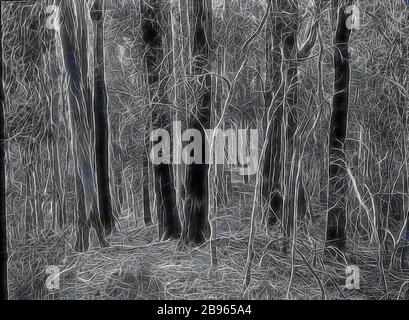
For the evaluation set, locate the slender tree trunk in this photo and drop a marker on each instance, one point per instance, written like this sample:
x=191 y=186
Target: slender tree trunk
x=295 y=199
x=101 y=121
x=168 y=218
x=3 y=219
x=336 y=217
x=196 y=229
x=220 y=185
x=58 y=197
x=178 y=44
x=290 y=50
x=272 y=189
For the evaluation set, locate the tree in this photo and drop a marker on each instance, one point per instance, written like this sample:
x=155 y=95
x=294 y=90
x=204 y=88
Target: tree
x=75 y=16
x=336 y=216
x=291 y=152
x=196 y=225
x=101 y=120
x=281 y=102
x=293 y=189
x=51 y=89
x=168 y=218
x=3 y=219
x=271 y=188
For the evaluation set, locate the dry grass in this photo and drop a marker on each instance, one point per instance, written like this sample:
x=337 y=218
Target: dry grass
x=138 y=267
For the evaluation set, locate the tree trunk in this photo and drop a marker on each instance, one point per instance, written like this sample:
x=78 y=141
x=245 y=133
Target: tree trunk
x=197 y=227
x=295 y=203
x=168 y=218
x=336 y=218
x=101 y=121
x=74 y=40
x=51 y=89
x=272 y=189
x=290 y=50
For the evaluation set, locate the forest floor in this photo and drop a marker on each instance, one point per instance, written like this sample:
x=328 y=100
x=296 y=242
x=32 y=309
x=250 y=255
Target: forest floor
x=136 y=266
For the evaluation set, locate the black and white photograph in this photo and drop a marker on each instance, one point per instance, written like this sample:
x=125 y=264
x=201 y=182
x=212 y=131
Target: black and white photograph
x=204 y=150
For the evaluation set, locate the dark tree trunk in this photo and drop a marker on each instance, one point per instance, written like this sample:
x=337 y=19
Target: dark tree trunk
x=336 y=219
x=271 y=192
x=168 y=218
x=101 y=121
x=3 y=220
x=197 y=228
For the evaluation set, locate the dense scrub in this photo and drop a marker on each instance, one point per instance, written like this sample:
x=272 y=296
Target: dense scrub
x=287 y=256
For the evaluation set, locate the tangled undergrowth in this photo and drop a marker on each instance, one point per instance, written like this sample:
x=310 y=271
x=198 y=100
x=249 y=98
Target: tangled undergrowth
x=40 y=173
x=137 y=266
